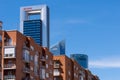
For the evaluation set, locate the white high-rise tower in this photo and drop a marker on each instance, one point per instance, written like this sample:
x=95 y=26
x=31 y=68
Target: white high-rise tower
x=38 y=29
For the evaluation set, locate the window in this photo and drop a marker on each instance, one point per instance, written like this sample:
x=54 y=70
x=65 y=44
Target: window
x=42 y=73
x=57 y=78
x=43 y=63
x=51 y=62
x=31 y=58
x=46 y=56
x=36 y=63
x=69 y=73
x=0 y=38
x=8 y=42
x=26 y=55
x=32 y=48
x=56 y=72
x=47 y=75
x=31 y=68
x=51 y=72
x=46 y=65
x=81 y=77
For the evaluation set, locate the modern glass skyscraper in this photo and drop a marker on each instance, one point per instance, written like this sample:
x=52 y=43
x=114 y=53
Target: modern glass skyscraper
x=82 y=59
x=35 y=32
x=59 y=48
x=34 y=22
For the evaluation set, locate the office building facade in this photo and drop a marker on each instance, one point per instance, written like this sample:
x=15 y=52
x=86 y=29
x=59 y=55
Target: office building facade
x=59 y=48
x=34 y=22
x=82 y=59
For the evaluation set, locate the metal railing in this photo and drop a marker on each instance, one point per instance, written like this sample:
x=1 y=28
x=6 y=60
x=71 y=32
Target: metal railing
x=8 y=44
x=56 y=65
x=7 y=77
x=42 y=58
x=9 y=55
x=27 y=60
x=26 y=70
x=9 y=66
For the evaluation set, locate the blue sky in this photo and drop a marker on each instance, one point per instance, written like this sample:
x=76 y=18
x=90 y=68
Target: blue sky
x=90 y=27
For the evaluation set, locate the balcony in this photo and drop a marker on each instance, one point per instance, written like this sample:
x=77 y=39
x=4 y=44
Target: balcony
x=26 y=60
x=56 y=73
x=9 y=77
x=26 y=70
x=7 y=56
x=42 y=67
x=8 y=44
x=56 y=65
x=26 y=78
x=9 y=66
x=42 y=74
x=25 y=47
x=42 y=58
x=26 y=56
x=9 y=52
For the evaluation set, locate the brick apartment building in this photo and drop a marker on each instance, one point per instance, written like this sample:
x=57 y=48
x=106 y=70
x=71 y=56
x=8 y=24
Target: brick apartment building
x=22 y=59
x=79 y=71
x=68 y=69
x=90 y=76
x=62 y=68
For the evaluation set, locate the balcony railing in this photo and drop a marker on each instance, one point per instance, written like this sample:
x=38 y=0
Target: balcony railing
x=56 y=65
x=27 y=60
x=26 y=70
x=25 y=47
x=9 y=77
x=42 y=58
x=9 y=56
x=8 y=44
x=26 y=78
x=9 y=66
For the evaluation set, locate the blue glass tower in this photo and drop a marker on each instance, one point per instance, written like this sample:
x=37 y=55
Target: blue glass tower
x=82 y=59
x=59 y=48
x=33 y=28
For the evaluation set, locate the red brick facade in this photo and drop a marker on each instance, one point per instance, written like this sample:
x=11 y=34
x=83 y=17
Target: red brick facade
x=22 y=59
x=69 y=69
